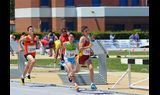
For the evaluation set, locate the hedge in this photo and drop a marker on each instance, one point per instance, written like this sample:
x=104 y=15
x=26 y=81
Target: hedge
x=98 y=34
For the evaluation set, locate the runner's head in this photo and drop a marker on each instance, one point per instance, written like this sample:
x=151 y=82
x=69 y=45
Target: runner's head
x=30 y=30
x=71 y=37
x=64 y=31
x=85 y=30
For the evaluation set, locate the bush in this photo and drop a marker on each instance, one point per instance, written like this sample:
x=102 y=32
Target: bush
x=98 y=34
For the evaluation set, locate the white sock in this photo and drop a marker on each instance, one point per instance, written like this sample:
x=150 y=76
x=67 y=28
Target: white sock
x=27 y=74
x=22 y=76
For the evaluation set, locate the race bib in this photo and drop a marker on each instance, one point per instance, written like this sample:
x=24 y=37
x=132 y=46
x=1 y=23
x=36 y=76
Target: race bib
x=31 y=49
x=70 y=54
x=87 y=51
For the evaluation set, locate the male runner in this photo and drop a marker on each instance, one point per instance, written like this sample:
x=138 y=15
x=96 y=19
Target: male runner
x=29 y=52
x=69 y=57
x=85 y=53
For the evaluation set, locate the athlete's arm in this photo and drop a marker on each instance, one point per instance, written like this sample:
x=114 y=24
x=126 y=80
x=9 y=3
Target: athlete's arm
x=81 y=42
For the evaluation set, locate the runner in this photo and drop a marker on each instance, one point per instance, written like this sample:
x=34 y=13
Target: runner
x=63 y=38
x=69 y=57
x=85 y=53
x=29 y=52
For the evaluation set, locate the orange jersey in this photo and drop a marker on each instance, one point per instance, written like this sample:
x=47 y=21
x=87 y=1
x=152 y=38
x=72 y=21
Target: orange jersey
x=30 y=45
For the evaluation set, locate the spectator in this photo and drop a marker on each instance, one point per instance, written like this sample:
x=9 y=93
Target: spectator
x=112 y=37
x=63 y=38
x=131 y=37
x=136 y=37
x=52 y=37
x=43 y=44
x=12 y=38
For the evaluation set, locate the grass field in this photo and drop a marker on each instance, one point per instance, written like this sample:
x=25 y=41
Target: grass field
x=127 y=53
x=113 y=64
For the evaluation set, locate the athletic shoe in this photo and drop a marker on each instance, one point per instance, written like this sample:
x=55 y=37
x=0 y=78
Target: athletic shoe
x=70 y=80
x=28 y=76
x=93 y=86
x=22 y=80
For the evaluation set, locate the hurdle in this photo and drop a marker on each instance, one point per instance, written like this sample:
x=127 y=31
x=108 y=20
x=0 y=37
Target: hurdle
x=100 y=76
x=130 y=61
x=21 y=59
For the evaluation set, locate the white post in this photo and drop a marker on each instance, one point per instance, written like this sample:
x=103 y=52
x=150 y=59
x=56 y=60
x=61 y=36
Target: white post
x=129 y=75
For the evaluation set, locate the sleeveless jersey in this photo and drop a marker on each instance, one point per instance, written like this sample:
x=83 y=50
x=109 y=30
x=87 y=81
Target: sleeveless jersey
x=30 y=45
x=70 y=50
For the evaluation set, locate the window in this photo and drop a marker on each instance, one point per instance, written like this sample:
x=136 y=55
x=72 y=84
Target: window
x=123 y=2
x=115 y=27
x=69 y=2
x=44 y=2
x=96 y=2
x=135 y=3
x=45 y=26
x=71 y=25
x=143 y=27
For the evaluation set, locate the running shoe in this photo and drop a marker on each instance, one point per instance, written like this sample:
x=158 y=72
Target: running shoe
x=93 y=86
x=69 y=79
x=22 y=81
x=28 y=76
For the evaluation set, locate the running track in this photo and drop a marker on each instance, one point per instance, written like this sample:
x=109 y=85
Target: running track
x=50 y=89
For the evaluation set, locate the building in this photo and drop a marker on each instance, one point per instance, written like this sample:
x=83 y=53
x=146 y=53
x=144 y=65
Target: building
x=98 y=15
x=12 y=25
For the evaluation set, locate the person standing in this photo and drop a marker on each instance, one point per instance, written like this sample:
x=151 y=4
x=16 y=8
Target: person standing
x=137 y=39
x=63 y=38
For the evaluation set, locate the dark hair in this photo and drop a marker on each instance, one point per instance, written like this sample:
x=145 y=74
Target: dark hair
x=72 y=34
x=63 y=30
x=83 y=28
x=23 y=33
x=29 y=27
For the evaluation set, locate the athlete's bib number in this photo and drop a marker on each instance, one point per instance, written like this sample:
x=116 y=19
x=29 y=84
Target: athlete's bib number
x=31 y=49
x=70 y=54
x=87 y=51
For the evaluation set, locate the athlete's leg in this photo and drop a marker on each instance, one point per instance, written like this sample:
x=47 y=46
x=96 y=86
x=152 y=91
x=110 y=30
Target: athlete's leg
x=26 y=69
x=72 y=74
x=77 y=68
x=25 y=72
x=32 y=61
x=91 y=71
